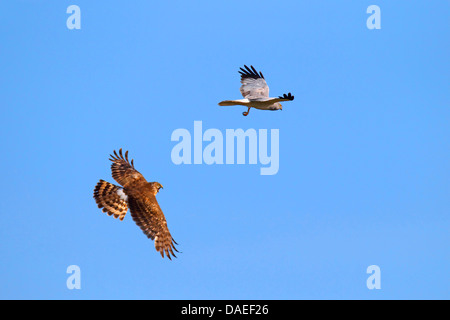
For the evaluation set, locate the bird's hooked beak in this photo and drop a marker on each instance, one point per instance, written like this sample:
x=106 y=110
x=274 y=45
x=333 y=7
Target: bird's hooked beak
x=281 y=107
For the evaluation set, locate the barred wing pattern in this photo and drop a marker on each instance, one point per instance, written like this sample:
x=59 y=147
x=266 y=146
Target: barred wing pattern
x=147 y=214
x=123 y=171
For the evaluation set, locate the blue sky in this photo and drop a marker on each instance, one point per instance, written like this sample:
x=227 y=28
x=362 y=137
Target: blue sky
x=364 y=175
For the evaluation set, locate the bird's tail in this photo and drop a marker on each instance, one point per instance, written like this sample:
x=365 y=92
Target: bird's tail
x=111 y=199
x=241 y=102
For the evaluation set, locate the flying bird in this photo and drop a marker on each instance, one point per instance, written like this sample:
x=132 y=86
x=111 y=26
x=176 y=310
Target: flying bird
x=139 y=196
x=255 y=91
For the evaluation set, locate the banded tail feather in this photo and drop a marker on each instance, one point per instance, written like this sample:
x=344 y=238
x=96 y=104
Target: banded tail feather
x=111 y=199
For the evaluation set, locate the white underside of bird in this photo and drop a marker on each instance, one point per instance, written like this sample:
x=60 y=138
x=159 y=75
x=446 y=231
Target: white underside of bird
x=261 y=104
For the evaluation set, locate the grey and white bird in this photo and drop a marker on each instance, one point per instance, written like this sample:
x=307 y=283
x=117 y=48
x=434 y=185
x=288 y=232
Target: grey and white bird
x=255 y=91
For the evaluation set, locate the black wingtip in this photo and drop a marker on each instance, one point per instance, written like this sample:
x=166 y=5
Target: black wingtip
x=288 y=96
x=250 y=73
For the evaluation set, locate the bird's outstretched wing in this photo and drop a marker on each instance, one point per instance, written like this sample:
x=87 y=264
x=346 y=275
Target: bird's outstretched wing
x=147 y=214
x=123 y=171
x=254 y=86
x=285 y=97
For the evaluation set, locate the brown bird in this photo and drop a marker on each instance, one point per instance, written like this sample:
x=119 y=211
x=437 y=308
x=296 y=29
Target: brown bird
x=140 y=197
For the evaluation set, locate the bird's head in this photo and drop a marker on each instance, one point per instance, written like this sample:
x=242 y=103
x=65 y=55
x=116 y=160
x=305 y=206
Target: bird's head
x=276 y=106
x=156 y=186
